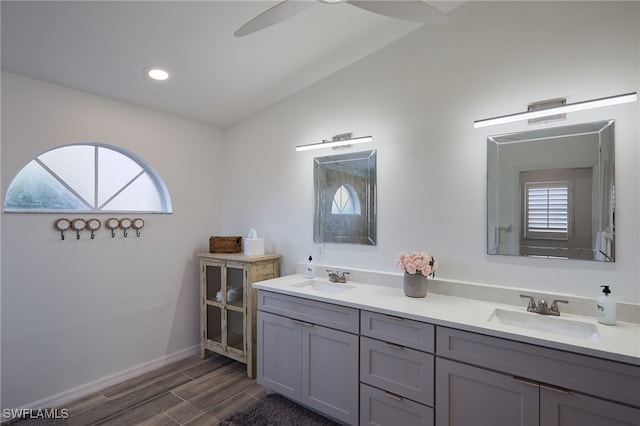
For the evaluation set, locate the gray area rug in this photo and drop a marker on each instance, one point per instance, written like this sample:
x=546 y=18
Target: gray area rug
x=275 y=410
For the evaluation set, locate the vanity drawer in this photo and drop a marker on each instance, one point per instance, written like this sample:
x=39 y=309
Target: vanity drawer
x=329 y=315
x=594 y=376
x=382 y=408
x=402 y=331
x=397 y=369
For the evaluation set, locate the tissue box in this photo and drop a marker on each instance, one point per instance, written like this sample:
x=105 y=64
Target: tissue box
x=254 y=247
x=225 y=244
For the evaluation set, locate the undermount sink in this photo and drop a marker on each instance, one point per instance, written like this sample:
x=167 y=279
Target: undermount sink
x=551 y=324
x=324 y=286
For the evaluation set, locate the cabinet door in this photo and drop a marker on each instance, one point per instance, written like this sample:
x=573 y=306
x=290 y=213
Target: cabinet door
x=279 y=354
x=212 y=289
x=571 y=409
x=330 y=372
x=469 y=395
x=234 y=284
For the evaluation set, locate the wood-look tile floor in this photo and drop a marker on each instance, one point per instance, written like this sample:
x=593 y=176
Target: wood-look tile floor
x=189 y=392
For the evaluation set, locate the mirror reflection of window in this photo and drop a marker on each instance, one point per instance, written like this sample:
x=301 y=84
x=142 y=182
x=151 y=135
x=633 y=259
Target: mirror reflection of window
x=547 y=210
x=556 y=211
x=345 y=201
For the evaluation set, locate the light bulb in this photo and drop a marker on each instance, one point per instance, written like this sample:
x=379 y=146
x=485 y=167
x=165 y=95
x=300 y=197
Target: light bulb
x=155 y=73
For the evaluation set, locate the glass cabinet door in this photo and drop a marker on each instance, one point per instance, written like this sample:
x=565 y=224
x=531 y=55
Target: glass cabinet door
x=235 y=310
x=235 y=329
x=235 y=286
x=213 y=300
x=214 y=283
x=214 y=323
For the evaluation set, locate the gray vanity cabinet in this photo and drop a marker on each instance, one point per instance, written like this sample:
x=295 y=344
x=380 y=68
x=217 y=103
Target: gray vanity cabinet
x=488 y=380
x=470 y=395
x=396 y=371
x=308 y=352
x=280 y=369
x=574 y=409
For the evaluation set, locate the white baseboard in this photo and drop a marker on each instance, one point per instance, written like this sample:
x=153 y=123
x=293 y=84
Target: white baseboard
x=59 y=399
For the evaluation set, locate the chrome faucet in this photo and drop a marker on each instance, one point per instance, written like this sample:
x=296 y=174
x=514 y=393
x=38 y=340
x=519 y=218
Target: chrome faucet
x=542 y=308
x=337 y=277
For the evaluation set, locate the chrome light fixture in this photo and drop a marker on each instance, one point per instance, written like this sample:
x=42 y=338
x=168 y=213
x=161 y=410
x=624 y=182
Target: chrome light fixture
x=344 y=140
x=536 y=111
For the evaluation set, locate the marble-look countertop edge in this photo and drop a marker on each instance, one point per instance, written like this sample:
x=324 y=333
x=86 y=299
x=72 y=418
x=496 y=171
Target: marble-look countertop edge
x=619 y=343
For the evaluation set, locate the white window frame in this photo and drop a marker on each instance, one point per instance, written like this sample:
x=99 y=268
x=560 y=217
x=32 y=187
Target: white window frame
x=92 y=206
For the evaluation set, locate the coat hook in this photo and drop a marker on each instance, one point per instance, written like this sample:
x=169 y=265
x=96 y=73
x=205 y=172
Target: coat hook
x=78 y=225
x=62 y=225
x=137 y=224
x=94 y=225
x=112 y=223
x=125 y=224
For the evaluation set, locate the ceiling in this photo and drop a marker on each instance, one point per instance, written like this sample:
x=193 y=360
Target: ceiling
x=102 y=47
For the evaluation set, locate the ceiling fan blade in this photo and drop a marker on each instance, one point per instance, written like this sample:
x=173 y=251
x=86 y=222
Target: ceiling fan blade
x=277 y=13
x=410 y=10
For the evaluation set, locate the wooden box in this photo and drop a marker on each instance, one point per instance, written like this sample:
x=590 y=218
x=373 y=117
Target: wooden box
x=225 y=244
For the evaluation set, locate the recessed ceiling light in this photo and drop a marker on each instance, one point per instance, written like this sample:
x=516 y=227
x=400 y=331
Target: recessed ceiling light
x=157 y=73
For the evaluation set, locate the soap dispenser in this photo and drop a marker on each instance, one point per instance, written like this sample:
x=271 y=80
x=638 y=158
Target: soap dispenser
x=606 y=307
x=309 y=269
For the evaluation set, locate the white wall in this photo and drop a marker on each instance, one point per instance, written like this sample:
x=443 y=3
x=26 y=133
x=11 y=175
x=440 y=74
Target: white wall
x=76 y=312
x=418 y=98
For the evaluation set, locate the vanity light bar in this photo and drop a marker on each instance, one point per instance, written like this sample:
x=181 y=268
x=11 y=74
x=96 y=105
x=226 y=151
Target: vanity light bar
x=334 y=143
x=578 y=106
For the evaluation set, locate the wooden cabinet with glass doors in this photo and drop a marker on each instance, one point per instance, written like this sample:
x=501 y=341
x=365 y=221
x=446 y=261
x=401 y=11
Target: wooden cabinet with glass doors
x=228 y=303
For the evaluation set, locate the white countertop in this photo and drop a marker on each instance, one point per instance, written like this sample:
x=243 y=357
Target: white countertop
x=617 y=343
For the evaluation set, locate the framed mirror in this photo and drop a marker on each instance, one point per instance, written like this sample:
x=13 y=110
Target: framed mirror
x=345 y=198
x=551 y=192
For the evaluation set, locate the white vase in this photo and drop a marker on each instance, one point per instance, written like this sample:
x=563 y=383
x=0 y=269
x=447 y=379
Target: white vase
x=415 y=285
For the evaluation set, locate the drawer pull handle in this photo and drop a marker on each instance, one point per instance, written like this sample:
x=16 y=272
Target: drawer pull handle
x=308 y=324
x=391 y=345
x=541 y=385
x=554 y=389
x=394 y=396
x=393 y=317
x=526 y=382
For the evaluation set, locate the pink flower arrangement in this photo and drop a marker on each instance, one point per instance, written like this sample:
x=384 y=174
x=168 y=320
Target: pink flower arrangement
x=417 y=263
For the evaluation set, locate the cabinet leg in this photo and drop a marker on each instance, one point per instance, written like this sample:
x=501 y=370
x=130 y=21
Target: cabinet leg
x=251 y=372
x=204 y=353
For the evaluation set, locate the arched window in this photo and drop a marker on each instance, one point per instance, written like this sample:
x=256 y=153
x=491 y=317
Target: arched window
x=91 y=177
x=345 y=201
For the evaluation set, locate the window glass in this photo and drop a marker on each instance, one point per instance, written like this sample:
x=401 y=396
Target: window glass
x=114 y=172
x=74 y=166
x=345 y=201
x=140 y=195
x=34 y=188
x=87 y=177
